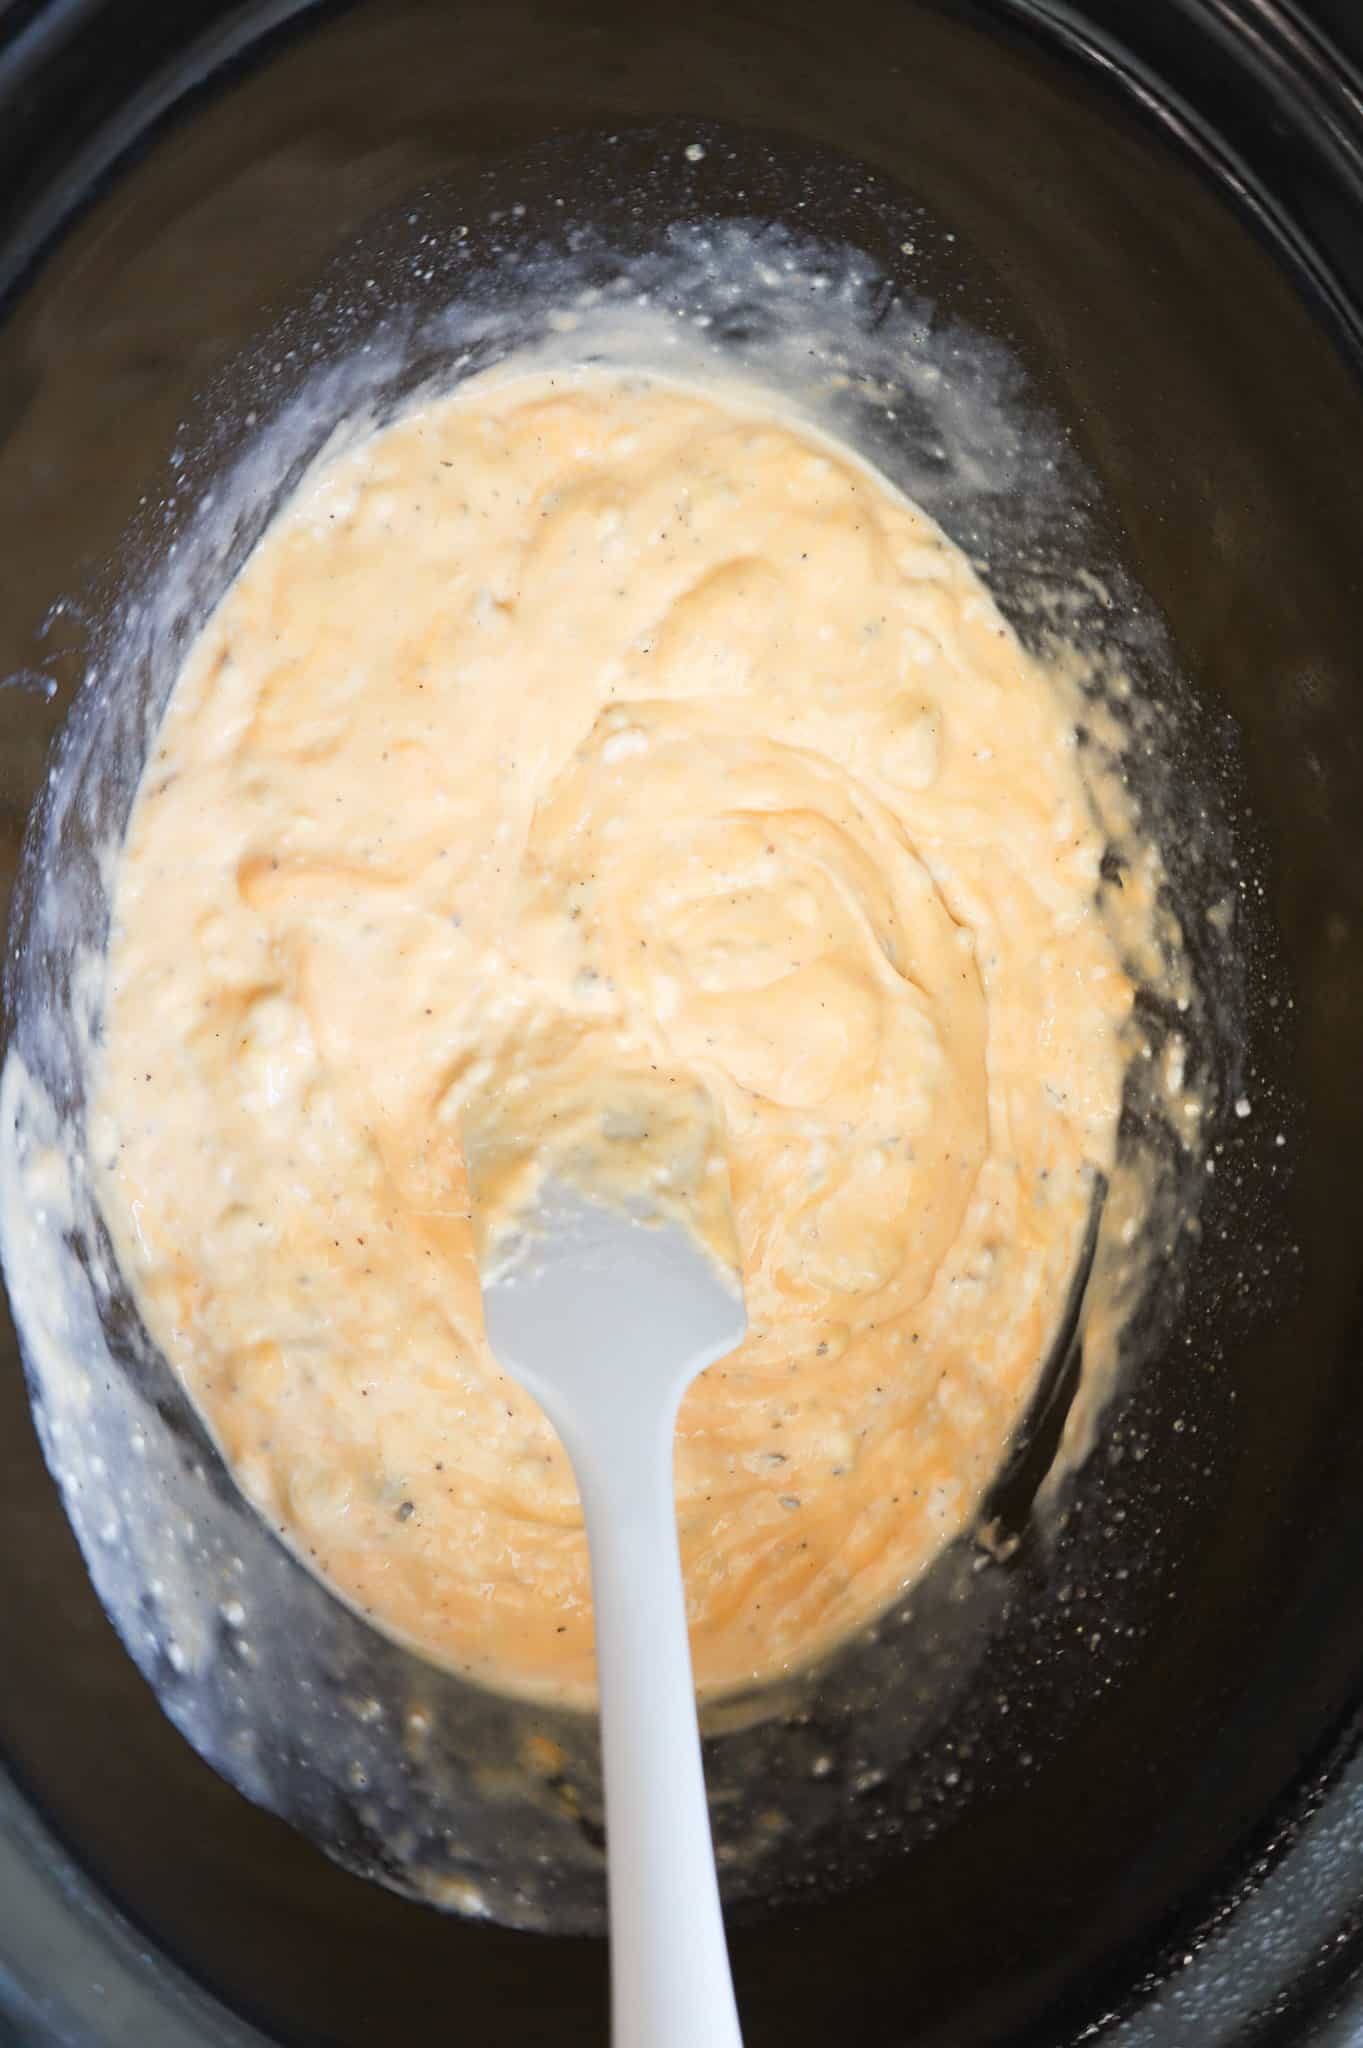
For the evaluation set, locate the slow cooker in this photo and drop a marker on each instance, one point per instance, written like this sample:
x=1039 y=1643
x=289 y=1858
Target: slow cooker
x=1140 y=1819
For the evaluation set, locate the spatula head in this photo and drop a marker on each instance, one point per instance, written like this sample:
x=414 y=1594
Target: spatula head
x=588 y=1297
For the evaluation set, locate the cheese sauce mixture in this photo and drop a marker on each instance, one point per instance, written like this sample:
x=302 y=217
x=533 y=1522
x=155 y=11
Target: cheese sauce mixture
x=581 y=742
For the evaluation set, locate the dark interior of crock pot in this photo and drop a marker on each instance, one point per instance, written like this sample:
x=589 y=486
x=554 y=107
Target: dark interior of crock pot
x=1153 y=1680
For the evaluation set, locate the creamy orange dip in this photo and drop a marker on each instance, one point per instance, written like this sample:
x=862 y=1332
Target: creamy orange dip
x=578 y=727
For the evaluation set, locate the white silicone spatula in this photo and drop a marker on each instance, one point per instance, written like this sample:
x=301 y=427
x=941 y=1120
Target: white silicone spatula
x=606 y=1319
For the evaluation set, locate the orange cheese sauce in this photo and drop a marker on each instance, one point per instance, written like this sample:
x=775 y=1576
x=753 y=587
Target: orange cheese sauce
x=579 y=736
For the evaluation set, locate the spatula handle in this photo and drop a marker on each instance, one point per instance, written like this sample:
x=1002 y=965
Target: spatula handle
x=670 y=1980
